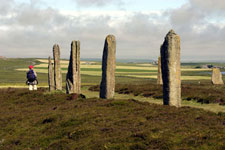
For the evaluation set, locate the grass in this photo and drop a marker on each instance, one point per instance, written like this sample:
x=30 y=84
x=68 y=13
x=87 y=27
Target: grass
x=63 y=62
x=40 y=120
x=182 y=77
x=203 y=93
x=122 y=67
x=9 y=75
x=125 y=74
x=147 y=71
x=13 y=73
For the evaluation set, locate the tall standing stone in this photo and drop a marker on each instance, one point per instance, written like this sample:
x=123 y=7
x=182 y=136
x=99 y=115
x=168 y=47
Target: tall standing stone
x=217 y=76
x=50 y=75
x=107 y=86
x=73 y=80
x=57 y=68
x=170 y=59
x=159 y=76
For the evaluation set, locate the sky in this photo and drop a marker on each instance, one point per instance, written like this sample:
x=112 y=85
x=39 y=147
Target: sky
x=30 y=28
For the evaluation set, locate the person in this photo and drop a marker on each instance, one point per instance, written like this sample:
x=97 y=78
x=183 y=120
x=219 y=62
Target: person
x=32 y=78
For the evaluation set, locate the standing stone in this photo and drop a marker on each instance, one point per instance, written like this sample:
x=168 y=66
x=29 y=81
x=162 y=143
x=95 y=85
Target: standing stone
x=217 y=76
x=73 y=80
x=170 y=59
x=57 y=68
x=107 y=86
x=50 y=75
x=159 y=76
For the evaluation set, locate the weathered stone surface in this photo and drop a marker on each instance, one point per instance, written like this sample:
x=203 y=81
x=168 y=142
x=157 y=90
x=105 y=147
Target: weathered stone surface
x=159 y=76
x=73 y=80
x=170 y=60
x=107 y=86
x=57 y=68
x=50 y=75
x=217 y=76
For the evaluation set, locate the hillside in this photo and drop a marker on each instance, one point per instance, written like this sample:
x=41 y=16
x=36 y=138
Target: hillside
x=40 y=120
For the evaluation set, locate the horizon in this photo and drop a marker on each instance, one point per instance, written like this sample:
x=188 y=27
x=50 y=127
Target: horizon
x=126 y=60
x=30 y=28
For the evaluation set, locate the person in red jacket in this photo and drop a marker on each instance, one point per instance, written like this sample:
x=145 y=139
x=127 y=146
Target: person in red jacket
x=32 y=78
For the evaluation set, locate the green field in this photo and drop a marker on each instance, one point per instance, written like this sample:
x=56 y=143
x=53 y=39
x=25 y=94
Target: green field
x=13 y=71
x=134 y=120
x=136 y=77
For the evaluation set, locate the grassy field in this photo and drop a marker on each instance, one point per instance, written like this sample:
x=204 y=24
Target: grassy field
x=43 y=121
x=133 y=120
x=136 y=78
x=12 y=72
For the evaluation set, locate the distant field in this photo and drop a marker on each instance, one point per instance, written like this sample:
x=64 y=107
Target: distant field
x=135 y=71
x=63 y=62
x=13 y=71
x=182 y=77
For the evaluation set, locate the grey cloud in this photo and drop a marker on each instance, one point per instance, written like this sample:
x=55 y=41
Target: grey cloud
x=142 y=37
x=134 y=35
x=185 y=17
x=5 y=6
x=33 y=31
x=199 y=35
x=209 y=5
x=197 y=12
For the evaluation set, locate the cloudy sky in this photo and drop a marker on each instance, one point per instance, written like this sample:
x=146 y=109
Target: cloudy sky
x=29 y=28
